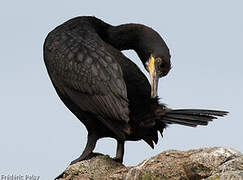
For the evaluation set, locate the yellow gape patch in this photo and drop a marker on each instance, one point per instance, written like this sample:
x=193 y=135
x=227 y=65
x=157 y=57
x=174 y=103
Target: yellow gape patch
x=151 y=67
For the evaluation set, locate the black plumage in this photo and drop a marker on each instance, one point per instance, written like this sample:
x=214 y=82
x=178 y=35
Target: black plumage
x=105 y=90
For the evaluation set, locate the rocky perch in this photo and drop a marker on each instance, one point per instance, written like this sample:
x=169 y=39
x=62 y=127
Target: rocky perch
x=207 y=163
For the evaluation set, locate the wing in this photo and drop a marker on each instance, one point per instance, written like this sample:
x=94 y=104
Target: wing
x=91 y=77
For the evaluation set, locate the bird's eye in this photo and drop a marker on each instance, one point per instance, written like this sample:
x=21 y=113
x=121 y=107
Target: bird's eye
x=158 y=60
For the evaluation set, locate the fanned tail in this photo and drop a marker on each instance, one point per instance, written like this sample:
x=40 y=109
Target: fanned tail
x=191 y=117
x=165 y=116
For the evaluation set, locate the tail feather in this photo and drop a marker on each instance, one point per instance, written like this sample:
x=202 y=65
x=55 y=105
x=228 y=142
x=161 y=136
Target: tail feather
x=178 y=121
x=191 y=117
x=201 y=112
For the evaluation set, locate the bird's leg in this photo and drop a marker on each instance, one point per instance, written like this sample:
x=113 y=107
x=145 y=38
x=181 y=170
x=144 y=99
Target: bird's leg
x=119 y=151
x=87 y=153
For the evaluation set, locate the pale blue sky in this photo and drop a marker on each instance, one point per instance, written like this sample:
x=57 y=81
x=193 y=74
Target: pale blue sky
x=40 y=136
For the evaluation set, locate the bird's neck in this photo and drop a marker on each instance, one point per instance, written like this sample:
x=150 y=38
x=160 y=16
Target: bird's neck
x=125 y=37
x=129 y=36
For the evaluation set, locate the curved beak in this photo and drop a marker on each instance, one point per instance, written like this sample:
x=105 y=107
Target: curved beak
x=154 y=79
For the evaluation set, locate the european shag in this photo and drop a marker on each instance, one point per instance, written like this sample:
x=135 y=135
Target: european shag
x=105 y=90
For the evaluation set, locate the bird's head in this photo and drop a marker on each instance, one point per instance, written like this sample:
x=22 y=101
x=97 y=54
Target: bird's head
x=148 y=44
x=157 y=66
x=154 y=54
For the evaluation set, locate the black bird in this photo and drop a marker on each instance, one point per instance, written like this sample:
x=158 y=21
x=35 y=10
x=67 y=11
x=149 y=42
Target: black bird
x=105 y=90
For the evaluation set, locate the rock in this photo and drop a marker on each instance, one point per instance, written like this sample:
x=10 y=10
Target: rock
x=215 y=163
